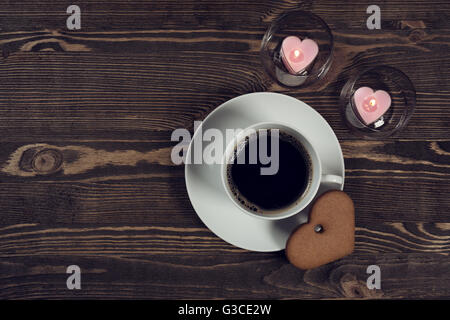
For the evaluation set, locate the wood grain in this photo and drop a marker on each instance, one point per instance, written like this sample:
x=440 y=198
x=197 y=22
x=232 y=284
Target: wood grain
x=85 y=170
x=169 y=262
x=141 y=184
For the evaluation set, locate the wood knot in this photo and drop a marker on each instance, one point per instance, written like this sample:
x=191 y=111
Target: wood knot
x=354 y=288
x=47 y=161
x=417 y=35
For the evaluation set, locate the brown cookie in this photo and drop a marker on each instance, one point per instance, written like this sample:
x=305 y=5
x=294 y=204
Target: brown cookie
x=329 y=234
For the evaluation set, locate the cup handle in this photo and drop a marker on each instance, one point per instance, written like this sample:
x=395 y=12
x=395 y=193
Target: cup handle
x=332 y=179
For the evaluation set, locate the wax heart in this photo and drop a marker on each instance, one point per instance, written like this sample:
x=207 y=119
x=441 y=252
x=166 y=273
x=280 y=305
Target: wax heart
x=297 y=54
x=329 y=234
x=371 y=105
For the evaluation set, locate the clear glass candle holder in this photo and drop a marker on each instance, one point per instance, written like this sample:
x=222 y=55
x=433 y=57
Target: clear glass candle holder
x=303 y=25
x=403 y=101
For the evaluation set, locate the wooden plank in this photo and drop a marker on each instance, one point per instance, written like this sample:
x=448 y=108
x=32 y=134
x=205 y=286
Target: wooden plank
x=118 y=15
x=413 y=259
x=32 y=239
x=47 y=94
x=240 y=276
x=139 y=183
x=123 y=77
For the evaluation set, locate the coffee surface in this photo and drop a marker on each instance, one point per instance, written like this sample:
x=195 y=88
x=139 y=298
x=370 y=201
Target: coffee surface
x=266 y=193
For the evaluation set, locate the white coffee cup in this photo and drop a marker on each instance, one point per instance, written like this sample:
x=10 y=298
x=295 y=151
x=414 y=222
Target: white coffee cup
x=316 y=175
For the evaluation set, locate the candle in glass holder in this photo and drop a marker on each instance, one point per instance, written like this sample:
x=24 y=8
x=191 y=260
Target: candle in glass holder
x=297 y=55
x=371 y=105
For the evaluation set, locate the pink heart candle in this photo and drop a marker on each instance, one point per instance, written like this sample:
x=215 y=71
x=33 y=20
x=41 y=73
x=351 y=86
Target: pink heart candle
x=297 y=55
x=371 y=105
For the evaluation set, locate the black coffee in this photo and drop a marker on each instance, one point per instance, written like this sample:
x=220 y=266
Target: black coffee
x=265 y=193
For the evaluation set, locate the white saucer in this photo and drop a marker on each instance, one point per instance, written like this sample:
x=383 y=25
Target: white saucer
x=204 y=184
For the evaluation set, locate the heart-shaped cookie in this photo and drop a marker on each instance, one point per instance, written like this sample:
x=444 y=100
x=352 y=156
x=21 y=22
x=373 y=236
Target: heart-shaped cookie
x=329 y=234
x=371 y=105
x=297 y=54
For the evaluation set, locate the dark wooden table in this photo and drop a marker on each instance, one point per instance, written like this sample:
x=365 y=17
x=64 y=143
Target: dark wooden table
x=85 y=170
